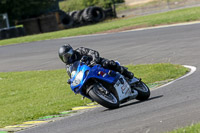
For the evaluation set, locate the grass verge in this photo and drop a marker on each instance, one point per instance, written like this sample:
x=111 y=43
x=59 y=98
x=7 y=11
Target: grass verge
x=32 y=94
x=189 y=129
x=183 y=15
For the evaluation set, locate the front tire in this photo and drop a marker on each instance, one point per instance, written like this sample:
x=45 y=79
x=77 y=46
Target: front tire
x=143 y=91
x=103 y=97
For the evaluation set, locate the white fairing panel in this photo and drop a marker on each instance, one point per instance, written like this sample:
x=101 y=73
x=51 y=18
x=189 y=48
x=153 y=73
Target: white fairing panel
x=123 y=88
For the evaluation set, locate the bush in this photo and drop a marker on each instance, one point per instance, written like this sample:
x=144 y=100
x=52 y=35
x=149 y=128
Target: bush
x=71 y=5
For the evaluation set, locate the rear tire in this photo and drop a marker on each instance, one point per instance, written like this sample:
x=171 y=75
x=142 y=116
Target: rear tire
x=107 y=100
x=143 y=91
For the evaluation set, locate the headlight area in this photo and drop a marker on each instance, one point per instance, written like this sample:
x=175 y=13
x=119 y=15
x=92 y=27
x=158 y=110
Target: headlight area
x=78 y=79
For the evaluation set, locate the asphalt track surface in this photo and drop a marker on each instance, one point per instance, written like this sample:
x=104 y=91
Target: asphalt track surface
x=170 y=107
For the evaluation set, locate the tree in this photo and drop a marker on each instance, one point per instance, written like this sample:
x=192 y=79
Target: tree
x=23 y=9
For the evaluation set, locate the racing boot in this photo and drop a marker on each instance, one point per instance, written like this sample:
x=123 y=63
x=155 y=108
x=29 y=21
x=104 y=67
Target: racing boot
x=116 y=67
x=126 y=73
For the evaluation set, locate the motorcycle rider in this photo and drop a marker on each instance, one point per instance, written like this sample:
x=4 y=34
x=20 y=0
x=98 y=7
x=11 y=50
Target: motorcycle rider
x=68 y=55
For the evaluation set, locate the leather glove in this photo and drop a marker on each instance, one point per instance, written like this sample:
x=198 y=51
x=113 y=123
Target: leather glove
x=84 y=59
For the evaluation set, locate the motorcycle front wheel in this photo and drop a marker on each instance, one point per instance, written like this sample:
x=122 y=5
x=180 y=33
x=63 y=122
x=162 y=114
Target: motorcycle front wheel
x=143 y=91
x=102 y=96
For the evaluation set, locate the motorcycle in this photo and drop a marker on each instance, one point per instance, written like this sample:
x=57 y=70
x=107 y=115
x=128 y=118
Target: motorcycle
x=106 y=87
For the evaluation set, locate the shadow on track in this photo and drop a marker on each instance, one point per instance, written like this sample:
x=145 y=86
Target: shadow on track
x=137 y=102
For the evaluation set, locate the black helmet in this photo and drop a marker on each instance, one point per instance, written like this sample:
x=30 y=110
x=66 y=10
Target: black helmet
x=65 y=53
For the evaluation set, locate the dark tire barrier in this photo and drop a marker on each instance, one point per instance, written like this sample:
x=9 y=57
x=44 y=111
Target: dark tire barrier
x=72 y=15
x=65 y=19
x=78 y=17
x=93 y=14
x=85 y=15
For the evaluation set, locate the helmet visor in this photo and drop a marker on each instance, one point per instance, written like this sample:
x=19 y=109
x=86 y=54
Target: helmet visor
x=67 y=57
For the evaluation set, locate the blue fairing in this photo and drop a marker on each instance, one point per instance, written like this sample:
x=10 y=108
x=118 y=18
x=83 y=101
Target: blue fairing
x=84 y=73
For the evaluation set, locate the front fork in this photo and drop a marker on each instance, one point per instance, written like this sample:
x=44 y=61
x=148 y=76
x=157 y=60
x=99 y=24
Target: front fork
x=131 y=83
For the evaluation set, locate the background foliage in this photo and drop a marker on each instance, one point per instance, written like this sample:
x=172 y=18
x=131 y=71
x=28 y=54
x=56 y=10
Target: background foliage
x=71 y=5
x=20 y=9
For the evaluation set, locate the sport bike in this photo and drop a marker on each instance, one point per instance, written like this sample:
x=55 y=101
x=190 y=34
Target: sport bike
x=106 y=87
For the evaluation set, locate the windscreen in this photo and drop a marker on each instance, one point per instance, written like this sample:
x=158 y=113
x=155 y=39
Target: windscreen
x=72 y=68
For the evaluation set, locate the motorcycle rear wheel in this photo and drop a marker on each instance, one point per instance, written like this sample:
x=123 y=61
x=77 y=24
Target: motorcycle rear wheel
x=143 y=91
x=106 y=99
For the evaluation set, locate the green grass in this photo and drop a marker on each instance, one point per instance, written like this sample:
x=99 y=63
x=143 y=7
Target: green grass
x=31 y=94
x=189 y=129
x=183 y=15
x=71 y=5
x=157 y=72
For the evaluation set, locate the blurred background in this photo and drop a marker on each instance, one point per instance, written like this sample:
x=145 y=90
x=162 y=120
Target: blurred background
x=21 y=18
